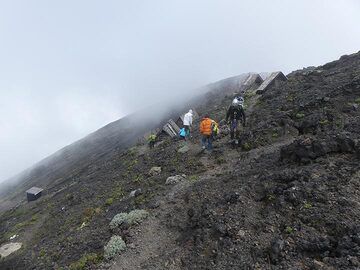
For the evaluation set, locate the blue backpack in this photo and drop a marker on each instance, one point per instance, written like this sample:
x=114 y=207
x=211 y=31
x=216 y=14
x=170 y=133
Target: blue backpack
x=182 y=133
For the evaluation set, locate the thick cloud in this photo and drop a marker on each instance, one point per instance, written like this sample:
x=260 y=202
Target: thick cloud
x=69 y=67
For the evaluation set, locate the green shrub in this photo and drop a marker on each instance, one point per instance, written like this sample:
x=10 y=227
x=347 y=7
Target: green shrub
x=357 y=101
x=246 y=146
x=289 y=230
x=85 y=260
x=109 y=201
x=324 y=122
x=114 y=247
x=134 y=217
x=307 y=205
x=194 y=178
x=300 y=115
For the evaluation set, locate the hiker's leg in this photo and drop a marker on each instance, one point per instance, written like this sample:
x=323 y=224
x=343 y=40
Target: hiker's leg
x=210 y=138
x=203 y=141
x=187 y=131
x=236 y=125
x=232 y=129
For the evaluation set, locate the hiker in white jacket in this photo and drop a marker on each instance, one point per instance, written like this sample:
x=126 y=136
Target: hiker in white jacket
x=188 y=119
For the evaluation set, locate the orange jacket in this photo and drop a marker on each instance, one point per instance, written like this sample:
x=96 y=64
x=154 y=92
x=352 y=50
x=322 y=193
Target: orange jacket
x=206 y=126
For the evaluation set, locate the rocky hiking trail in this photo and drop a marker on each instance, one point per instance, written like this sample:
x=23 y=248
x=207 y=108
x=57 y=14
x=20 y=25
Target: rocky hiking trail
x=286 y=198
x=153 y=239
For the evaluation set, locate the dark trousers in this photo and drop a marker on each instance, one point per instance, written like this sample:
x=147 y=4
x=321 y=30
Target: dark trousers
x=234 y=129
x=152 y=144
x=187 y=131
x=206 y=141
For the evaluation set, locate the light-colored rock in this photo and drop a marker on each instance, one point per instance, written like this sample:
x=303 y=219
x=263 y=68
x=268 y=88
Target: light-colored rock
x=155 y=171
x=172 y=180
x=135 y=192
x=9 y=248
x=13 y=237
x=184 y=149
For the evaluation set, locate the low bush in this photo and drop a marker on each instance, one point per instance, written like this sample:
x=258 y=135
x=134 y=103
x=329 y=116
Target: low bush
x=85 y=261
x=134 y=217
x=114 y=247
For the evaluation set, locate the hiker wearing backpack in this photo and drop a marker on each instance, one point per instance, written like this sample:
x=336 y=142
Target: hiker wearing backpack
x=208 y=127
x=152 y=140
x=188 y=119
x=234 y=116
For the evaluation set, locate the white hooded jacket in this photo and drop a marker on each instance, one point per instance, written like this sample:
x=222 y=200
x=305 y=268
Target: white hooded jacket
x=188 y=118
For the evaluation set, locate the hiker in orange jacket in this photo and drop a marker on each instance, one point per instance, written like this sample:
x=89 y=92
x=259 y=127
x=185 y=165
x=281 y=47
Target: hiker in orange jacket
x=206 y=129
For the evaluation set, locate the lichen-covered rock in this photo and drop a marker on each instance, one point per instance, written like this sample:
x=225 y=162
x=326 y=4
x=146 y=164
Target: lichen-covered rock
x=155 y=171
x=172 y=180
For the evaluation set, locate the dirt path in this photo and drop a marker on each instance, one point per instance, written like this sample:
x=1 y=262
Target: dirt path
x=152 y=240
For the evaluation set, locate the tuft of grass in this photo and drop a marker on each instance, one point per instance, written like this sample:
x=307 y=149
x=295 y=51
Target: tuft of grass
x=246 y=146
x=85 y=261
x=275 y=135
x=289 y=230
x=324 y=122
x=193 y=178
x=300 y=115
x=357 y=101
x=307 y=205
x=109 y=201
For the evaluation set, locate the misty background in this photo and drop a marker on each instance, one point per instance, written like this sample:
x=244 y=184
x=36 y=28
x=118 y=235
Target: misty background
x=69 y=67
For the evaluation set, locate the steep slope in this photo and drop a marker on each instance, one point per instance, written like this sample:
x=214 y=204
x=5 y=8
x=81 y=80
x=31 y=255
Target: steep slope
x=288 y=198
x=83 y=177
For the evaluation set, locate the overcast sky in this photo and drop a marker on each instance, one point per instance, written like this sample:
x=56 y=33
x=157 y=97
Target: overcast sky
x=69 y=67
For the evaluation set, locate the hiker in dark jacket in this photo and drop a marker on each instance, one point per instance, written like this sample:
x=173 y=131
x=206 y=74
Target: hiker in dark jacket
x=236 y=115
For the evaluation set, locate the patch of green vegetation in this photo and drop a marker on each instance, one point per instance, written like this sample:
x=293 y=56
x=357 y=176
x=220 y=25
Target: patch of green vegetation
x=271 y=197
x=220 y=160
x=138 y=179
x=300 y=115
x=18 y=212
x=42 y=253
x=290 y=98
x=259 y=102
x=307 y=205
x=85 y=261
x=357 y=101
x=246 y=146
x=114 y=247
x=26 y=223
x=193 y=178
x=89 y=213
x=339 y=124
x=34 y=218
x=324 y=122
x=275 y=135
x=118 y=192
x=109 y=201
x=249 y=94
x=289 y=230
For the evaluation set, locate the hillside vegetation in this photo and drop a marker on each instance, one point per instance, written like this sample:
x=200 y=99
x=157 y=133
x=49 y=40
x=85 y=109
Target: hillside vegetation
x=287 y=198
